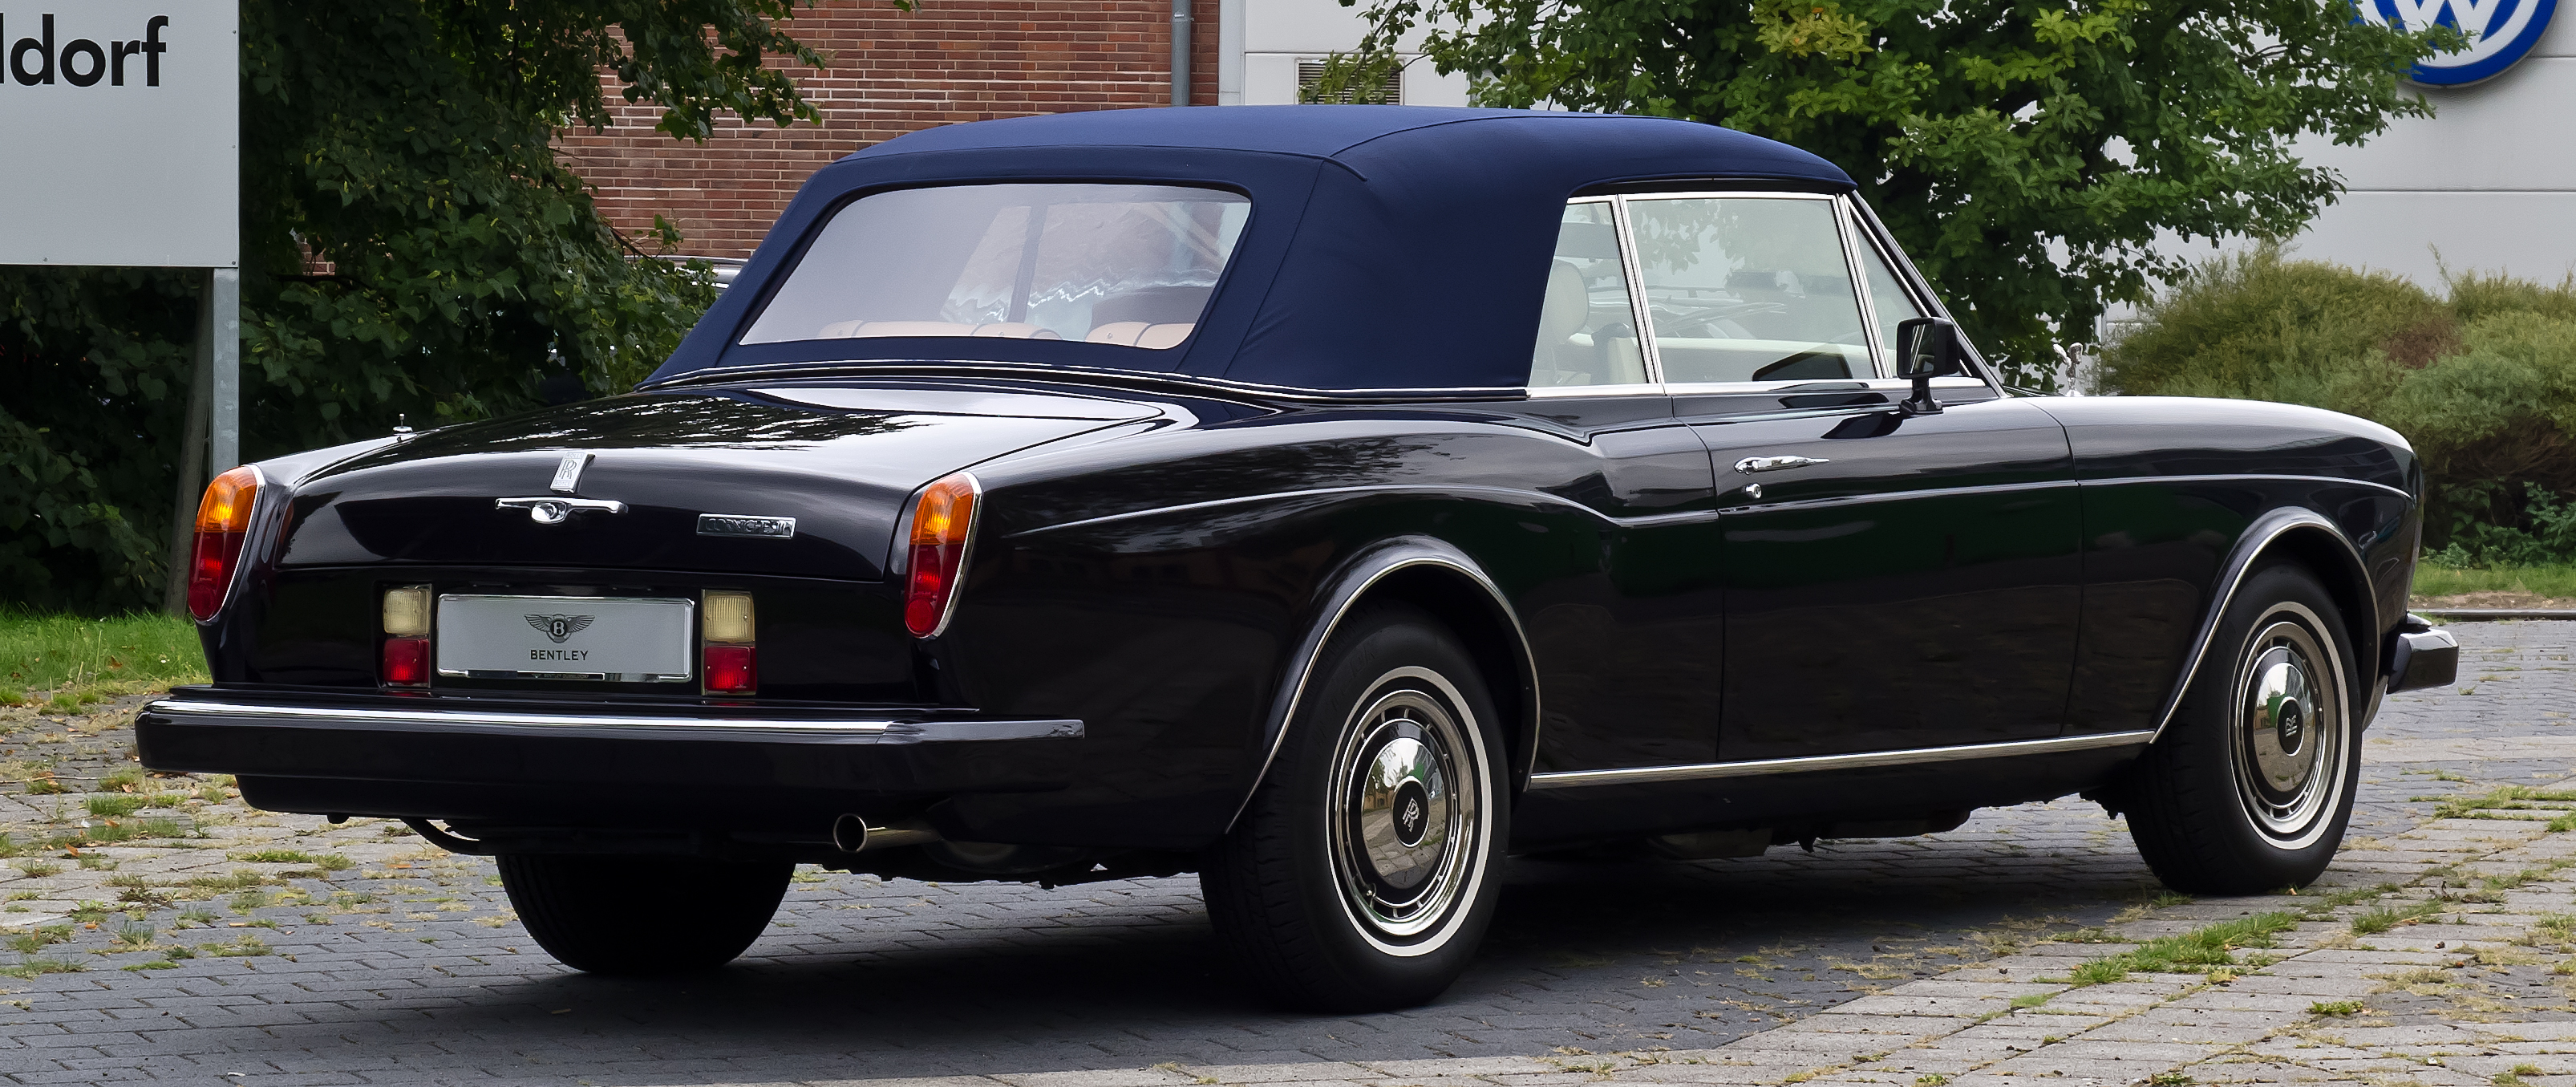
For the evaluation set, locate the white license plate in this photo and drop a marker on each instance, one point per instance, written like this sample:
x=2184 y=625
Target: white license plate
x=617 y=639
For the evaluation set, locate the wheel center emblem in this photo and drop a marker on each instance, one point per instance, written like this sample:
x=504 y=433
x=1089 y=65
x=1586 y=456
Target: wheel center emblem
x=2291 y=727
x=1412 y=813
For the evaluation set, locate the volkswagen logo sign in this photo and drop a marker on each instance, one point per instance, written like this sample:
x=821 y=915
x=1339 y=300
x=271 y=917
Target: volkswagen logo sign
x=2500 y=33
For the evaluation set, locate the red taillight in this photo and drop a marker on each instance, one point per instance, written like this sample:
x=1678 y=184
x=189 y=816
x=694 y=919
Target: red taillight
x=223 y=521
x=405 y=610
x=732 y=669
x=729 y=631
x=942 y=523
x=406 y=662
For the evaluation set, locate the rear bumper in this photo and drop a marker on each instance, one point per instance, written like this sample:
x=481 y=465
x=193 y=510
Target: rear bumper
x=559 y=763
x=2424 y=656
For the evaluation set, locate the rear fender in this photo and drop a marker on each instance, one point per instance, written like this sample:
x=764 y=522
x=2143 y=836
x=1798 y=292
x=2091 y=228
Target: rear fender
x=1446 y=582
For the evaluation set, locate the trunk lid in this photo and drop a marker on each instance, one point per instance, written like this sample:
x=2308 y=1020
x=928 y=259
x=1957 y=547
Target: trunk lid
x=840 y=459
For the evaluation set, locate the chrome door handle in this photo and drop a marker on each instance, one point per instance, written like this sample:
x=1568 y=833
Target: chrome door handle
x=1773 y=464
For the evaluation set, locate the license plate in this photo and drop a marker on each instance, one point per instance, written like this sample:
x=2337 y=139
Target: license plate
x=616 y=639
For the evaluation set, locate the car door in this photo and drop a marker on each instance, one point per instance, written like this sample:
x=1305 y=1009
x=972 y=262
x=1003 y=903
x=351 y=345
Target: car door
x=1892 y=580
x=1629 y=653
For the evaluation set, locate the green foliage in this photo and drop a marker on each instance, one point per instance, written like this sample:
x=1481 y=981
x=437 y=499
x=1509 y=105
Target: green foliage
x=410 y=244
x=2026 y=154
x=2543 y=581
x=54 y=650
x=2483 y=385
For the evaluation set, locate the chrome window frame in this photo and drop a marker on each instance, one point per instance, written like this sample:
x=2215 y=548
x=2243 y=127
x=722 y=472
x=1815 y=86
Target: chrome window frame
x=1854 y=226
x=1654 y=383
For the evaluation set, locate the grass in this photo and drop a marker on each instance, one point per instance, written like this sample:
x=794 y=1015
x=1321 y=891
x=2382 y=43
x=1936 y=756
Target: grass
x=2335 y=1007
x=2559 y=581
x=2384 y=918
x=2212 y=946
x=129 y=652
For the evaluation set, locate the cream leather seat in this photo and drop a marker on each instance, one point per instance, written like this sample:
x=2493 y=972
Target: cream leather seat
x=840 y=330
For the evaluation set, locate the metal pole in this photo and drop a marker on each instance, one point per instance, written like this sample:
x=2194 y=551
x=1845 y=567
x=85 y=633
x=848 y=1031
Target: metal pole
x=192 y=455
x=1180 y=52
x=224 y=434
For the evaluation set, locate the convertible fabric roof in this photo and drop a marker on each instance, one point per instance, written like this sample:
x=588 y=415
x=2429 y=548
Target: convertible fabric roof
x=1389 y=247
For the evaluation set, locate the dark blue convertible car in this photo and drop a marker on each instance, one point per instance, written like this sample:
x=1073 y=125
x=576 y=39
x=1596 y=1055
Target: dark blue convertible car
x=1331 y=501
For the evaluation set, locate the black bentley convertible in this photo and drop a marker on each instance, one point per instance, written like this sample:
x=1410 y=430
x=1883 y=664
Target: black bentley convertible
x=1330 y=501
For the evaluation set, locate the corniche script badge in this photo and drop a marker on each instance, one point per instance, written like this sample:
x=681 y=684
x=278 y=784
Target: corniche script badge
x=734 y=524
x=560 y=627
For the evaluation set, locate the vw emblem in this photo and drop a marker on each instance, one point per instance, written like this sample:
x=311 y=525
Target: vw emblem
x=2500 y=33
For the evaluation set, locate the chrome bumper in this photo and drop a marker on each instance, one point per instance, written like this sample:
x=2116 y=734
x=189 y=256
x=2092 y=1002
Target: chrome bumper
x=701 y=724
x=2424 y=656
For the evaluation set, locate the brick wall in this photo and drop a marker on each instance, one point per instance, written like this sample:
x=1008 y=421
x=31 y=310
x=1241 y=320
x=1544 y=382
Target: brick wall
x=891 y=72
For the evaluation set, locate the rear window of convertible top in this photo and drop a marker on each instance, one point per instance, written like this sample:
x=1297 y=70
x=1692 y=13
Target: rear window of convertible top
x=1130 y=265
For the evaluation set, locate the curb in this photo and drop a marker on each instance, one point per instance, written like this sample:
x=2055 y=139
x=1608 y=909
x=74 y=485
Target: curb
x=2485 y=615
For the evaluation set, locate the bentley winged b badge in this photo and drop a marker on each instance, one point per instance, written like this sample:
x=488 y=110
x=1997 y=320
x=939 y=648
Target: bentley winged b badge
x=560 y=627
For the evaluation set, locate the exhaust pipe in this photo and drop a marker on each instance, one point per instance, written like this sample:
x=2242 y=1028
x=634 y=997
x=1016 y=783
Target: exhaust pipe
x=852 y=834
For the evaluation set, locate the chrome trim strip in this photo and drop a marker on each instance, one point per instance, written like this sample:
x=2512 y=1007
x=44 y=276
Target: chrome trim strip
x=1640 y=311
x=318 y=714
x=1305 y=665
x=728 y=375
x=1641 y=775
x=2240 y=562
x=1651 y=520
x=2231 y=478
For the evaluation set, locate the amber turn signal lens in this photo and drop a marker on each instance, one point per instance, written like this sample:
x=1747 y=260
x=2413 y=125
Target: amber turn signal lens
x=943 y=521
x=223 y=521
x=407 y=611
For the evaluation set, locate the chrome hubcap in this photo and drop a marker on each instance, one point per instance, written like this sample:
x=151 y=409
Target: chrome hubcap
x=2289 y=743
x=1405 y=812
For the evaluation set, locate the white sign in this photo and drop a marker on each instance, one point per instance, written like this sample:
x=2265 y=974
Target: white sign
x=120 y=133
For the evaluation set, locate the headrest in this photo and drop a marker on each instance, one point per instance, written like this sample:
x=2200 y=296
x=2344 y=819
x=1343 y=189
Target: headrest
x=1566 y=307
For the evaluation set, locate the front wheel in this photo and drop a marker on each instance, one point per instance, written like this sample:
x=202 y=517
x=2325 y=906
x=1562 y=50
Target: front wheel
x=1362 y=874
x=2251 y=786
x=637 y=915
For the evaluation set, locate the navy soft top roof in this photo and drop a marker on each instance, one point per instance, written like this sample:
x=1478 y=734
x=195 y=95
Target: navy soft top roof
x=1389 y=247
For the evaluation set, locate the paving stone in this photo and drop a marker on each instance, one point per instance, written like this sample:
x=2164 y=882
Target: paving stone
x=1000 y=985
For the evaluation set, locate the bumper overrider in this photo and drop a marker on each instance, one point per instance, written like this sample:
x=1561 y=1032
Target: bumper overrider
x=2422 y=655
x=753 y=772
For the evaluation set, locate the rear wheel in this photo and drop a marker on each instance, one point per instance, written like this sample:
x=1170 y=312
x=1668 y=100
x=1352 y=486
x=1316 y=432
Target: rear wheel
x=1362 y=874
x=2251 y=786
x=642 y=915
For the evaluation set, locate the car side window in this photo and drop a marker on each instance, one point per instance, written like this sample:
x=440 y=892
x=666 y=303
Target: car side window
x=1749 y=288
x=1587 y=332
x=1887 y=300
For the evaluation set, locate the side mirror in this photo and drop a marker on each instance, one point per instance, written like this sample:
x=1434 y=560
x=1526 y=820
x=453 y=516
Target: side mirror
x=1926 y=348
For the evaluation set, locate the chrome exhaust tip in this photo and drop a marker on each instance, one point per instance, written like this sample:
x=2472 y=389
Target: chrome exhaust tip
x=852 y=834
x=849 y=834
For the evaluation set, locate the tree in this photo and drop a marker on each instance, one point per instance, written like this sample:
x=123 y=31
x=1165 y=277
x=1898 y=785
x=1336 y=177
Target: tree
x=2027 y=153
x=410 y=246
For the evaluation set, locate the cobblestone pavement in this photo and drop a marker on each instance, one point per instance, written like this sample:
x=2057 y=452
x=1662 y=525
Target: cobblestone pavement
x=226 y=944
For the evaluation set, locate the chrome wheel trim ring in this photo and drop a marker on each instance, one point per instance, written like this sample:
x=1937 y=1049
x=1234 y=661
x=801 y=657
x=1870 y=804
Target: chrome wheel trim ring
x=1404 y=877
x=2287 y=742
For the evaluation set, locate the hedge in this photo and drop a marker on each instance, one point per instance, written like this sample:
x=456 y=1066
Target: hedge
x=2483 y=382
